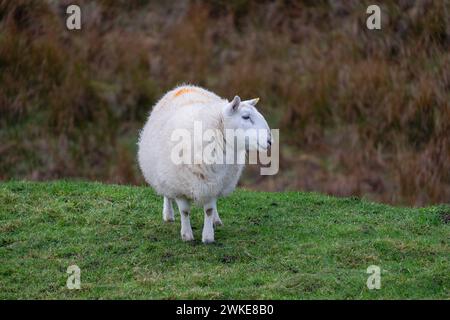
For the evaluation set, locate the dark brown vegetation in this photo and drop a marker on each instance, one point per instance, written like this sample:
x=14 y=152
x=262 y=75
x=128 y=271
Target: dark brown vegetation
x=364 y=113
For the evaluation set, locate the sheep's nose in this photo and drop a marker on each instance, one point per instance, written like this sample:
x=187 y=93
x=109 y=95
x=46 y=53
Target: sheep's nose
x=269 y=142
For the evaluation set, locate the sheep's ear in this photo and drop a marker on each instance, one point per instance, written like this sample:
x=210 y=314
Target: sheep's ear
x=252 y=102
x=234 y=105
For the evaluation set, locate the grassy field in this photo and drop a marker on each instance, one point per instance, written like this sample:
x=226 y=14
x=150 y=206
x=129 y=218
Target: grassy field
x=272 y=245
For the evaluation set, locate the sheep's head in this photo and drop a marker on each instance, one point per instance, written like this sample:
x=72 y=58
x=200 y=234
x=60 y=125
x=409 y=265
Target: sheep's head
x=248 y=124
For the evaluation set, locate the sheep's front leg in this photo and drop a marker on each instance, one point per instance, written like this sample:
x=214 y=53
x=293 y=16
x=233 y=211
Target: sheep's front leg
x=216 y=218
x=185 y=211
x=208 y=225
x=168 y=215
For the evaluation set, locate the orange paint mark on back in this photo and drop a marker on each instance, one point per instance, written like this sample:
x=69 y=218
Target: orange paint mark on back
x=183 y=91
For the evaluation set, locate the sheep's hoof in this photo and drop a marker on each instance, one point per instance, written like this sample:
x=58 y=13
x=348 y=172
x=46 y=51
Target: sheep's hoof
x=218 y=223
x=207 y=240
x=187 y=237
x=168 y=216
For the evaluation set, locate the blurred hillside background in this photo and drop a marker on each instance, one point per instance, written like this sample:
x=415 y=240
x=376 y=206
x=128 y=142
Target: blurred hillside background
x=362 y=113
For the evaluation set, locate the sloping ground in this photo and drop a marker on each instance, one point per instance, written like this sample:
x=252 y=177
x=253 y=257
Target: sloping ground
x=272 y=245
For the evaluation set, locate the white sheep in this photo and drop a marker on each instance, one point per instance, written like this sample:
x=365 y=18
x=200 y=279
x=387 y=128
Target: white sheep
x=201 y=183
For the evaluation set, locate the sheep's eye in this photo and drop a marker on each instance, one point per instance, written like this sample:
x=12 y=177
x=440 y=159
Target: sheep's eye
x=245 y=117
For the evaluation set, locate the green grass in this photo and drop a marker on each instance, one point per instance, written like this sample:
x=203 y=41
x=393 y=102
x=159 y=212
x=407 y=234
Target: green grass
x=273 y=245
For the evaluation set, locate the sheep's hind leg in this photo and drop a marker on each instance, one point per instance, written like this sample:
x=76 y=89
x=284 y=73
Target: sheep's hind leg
x=216 y=218
x=168 y=215
x=208 y=225
x=185 y=210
